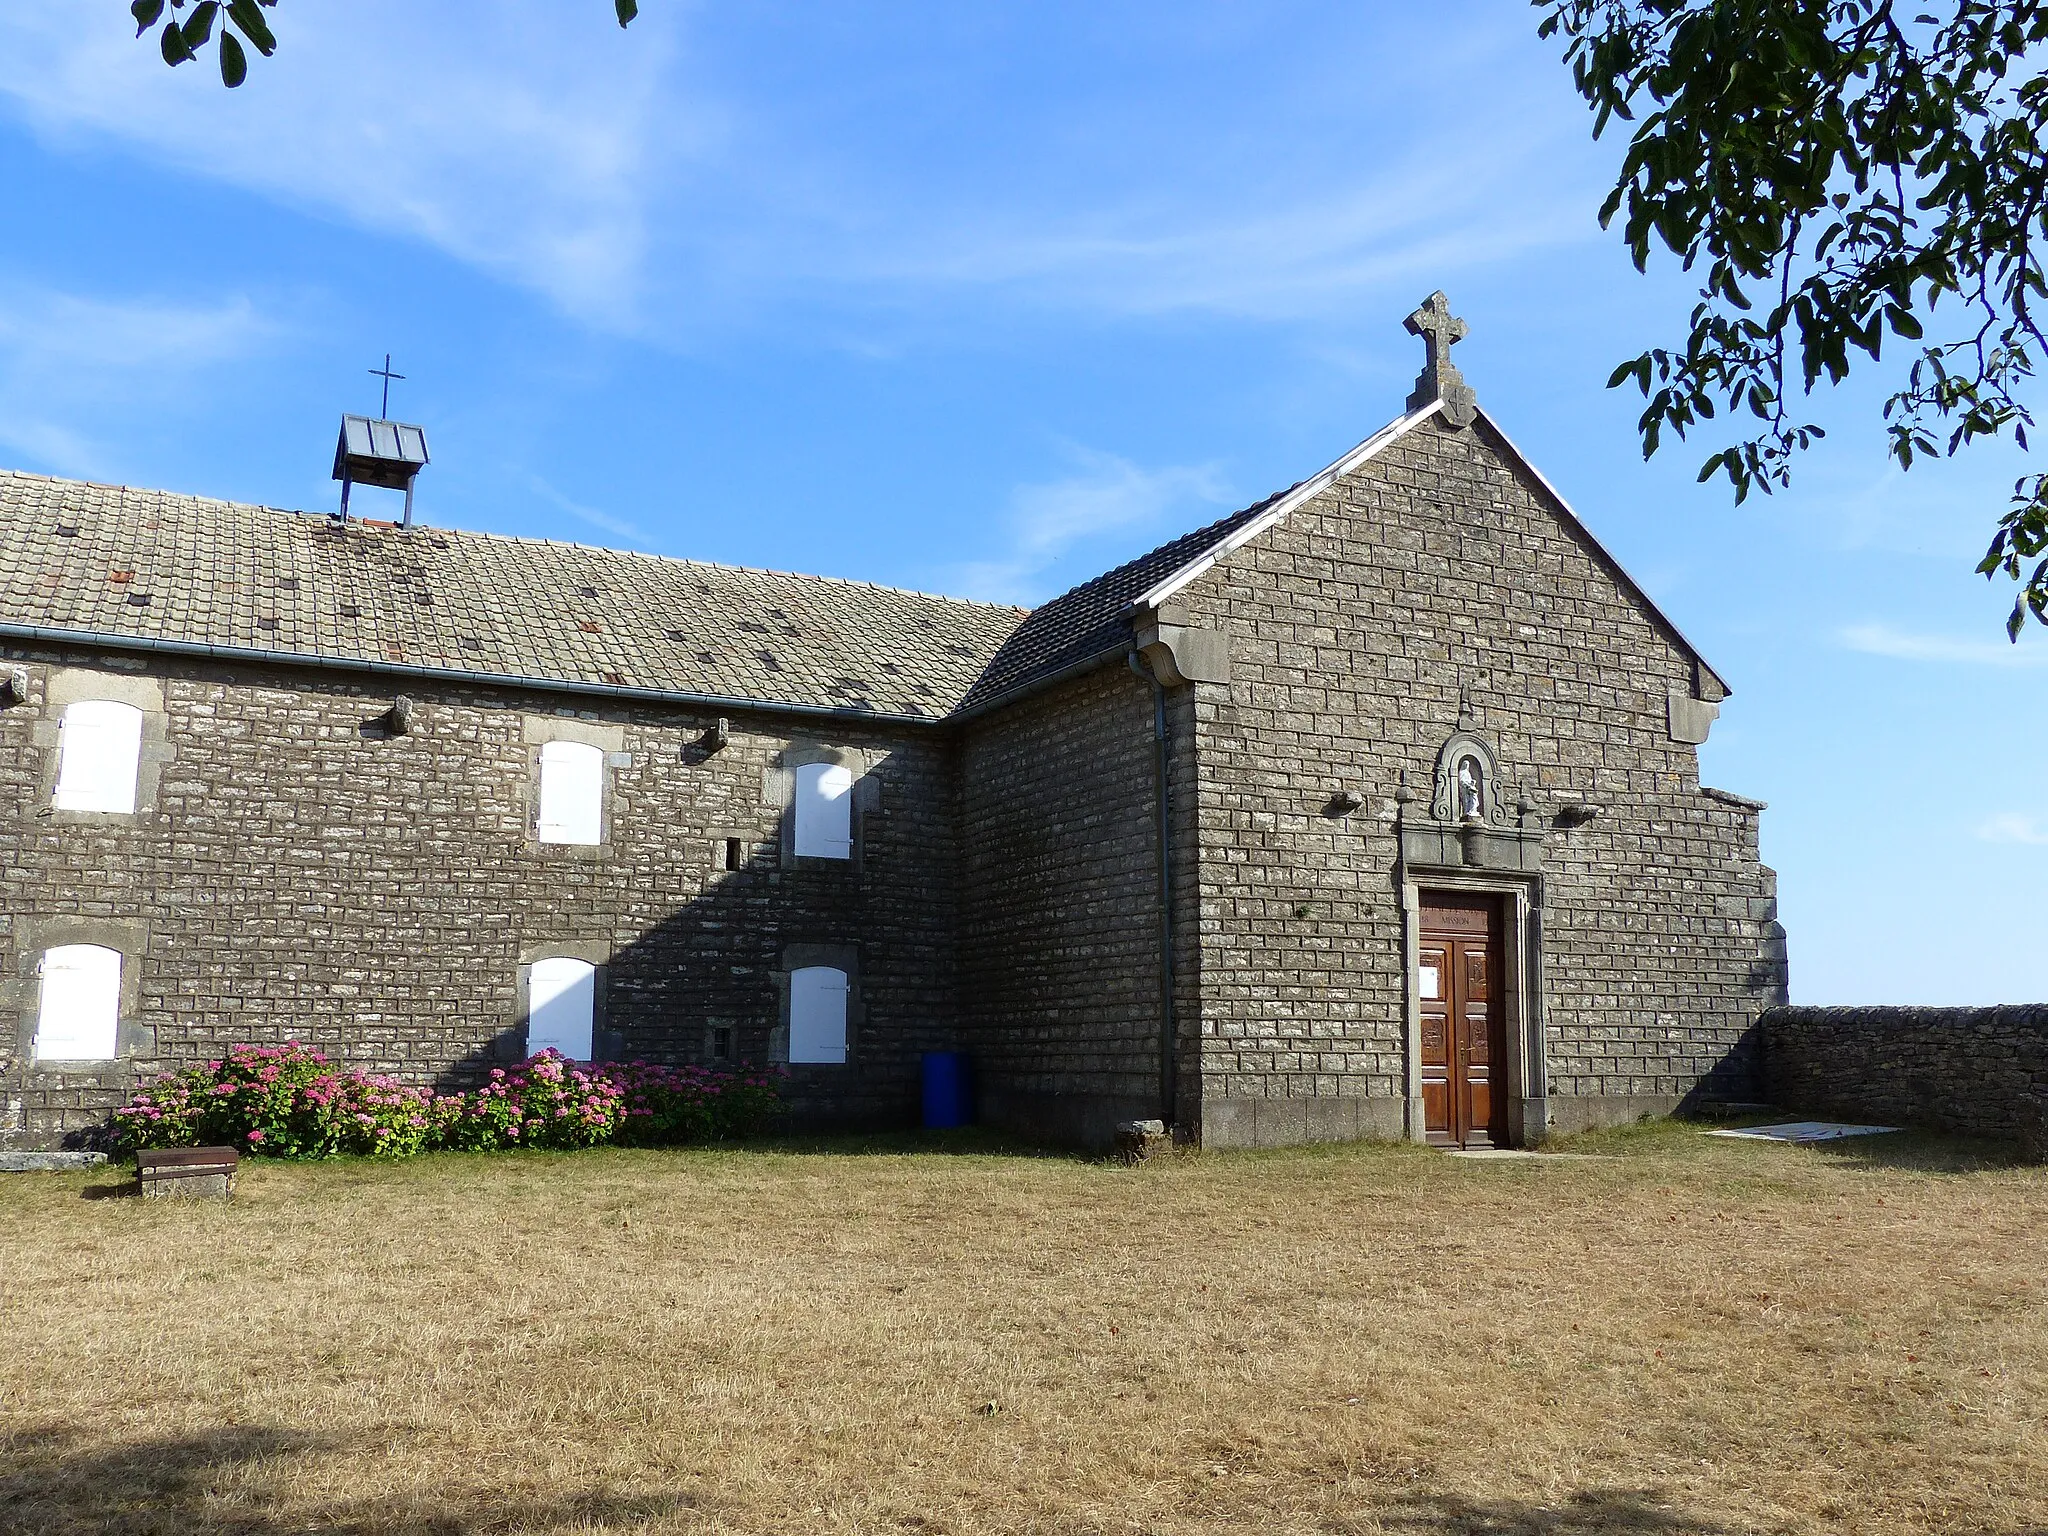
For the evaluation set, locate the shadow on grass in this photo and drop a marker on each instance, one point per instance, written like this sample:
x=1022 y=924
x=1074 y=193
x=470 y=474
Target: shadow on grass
x=1913 y=1151
x=1907 y=1150
x=967 y=1141
x=115 y=1182
x=1592 y=1512
x=196 y=1485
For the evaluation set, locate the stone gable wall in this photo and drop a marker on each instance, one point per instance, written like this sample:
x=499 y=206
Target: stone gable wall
x=1355 y=624
x=1977 y=1071
x=301 y=874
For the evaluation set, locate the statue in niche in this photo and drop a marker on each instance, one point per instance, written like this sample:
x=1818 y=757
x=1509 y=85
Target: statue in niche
x=1471 y=790
x=1468 y=780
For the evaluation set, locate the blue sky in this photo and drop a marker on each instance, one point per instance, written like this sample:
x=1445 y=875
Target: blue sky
x=983 y=300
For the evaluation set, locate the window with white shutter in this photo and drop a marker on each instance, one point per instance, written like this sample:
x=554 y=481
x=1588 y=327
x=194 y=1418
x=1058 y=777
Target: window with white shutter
x=817 y=1014
x=79 y=1016
x=824 y=811
x=99 y=752
x=561 y=1007
x=571 y=793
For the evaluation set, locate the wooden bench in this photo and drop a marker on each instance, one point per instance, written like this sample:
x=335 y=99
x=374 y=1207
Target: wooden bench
x=188 y=1171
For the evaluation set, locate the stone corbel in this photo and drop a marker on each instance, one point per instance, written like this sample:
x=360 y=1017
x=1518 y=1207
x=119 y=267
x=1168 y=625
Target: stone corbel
x=1178 y=652
x=1690 y=718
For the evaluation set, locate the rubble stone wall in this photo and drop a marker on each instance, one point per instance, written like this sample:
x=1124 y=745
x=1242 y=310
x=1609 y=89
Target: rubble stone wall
x=1976 y=1071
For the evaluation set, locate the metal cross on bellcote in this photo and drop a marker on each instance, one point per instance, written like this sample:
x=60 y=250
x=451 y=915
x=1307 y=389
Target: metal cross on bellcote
x=1440 y=379
x=385 y=373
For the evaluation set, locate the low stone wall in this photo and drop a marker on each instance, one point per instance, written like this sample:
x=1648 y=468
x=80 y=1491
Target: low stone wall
x=1976 y=1071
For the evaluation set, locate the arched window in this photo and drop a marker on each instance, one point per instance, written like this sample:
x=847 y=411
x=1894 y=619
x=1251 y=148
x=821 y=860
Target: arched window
x=561 y=1007
x=79 y=1016
x=571 y=793
x=1471 y=790
x=817 y=1014
x=99 y=752
x=824 y=811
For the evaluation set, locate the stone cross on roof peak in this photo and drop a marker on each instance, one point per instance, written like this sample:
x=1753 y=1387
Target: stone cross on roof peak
x=1440 y=379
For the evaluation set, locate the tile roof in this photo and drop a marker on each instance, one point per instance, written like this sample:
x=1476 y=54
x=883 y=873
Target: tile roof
x=184 y=570
x=1095 y=616
x=149 y=565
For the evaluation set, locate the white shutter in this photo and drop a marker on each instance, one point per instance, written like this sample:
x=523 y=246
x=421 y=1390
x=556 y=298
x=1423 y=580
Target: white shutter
x=99 y=751
x=817 y=1014
x=571 y=793
x=824 y=811
x=561 y=1002
x=81 y=1003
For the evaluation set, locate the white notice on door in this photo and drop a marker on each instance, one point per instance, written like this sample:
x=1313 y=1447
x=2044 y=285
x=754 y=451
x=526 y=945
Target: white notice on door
x=1431 y=985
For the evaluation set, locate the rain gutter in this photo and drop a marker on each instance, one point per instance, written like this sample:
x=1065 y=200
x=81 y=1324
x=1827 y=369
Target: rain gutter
x=707 y=701
x=1033 y=685
x=1169 y=1063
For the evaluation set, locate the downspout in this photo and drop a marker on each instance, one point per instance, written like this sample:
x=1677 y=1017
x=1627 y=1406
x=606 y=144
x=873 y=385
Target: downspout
x=1169 y=1064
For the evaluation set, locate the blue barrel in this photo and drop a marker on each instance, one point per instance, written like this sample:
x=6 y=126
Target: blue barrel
x=948 y=1090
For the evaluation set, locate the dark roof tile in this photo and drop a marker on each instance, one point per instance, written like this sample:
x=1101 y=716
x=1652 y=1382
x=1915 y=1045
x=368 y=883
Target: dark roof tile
x=1095 y=616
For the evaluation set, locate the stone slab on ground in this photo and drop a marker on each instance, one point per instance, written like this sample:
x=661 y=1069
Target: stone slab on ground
x=48 y=1162
x=1803 y=1131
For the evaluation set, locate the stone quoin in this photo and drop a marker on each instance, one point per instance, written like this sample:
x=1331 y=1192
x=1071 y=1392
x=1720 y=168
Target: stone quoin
x=1372 y=810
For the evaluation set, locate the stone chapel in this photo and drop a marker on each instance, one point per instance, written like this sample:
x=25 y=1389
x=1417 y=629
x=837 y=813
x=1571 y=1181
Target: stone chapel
x=1372 y=810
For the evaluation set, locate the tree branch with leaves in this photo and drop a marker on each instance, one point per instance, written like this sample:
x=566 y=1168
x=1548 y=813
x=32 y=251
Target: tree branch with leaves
x=185 y=27
x=1847 y=174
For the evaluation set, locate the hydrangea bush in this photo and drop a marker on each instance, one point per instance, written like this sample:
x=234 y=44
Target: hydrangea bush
x=666 y=1105
x=291 y=1101
x=547 y=1101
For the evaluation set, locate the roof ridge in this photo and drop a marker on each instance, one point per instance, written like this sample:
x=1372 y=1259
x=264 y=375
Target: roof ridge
x=525 y=539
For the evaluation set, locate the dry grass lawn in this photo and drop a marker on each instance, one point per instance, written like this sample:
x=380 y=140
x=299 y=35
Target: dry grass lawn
x=1683 y=1337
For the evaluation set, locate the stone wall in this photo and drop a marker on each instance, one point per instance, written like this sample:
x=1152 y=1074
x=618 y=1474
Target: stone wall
x=1437 y=575
x=1976 y=1071
x=1059 y=942
x=298 y=872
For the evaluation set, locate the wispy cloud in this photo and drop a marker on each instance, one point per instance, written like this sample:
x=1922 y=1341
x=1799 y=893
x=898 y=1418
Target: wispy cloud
x=617 y=527
x=2015 y=827
x=1883 y=640
x=1108 y=496
x=1291 y=258
x=65 y=359
x=1943 y=510
x=526 y=161
x=645 y=186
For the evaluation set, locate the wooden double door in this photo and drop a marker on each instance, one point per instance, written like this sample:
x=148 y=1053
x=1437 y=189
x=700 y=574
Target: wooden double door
x=1459 y=980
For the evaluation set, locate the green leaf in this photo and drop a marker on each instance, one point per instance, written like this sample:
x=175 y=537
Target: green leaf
x=244 y=14
x=234 y=64
x=145 y=13
x=627 y=10
x=172 y=42
x=199 y=26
